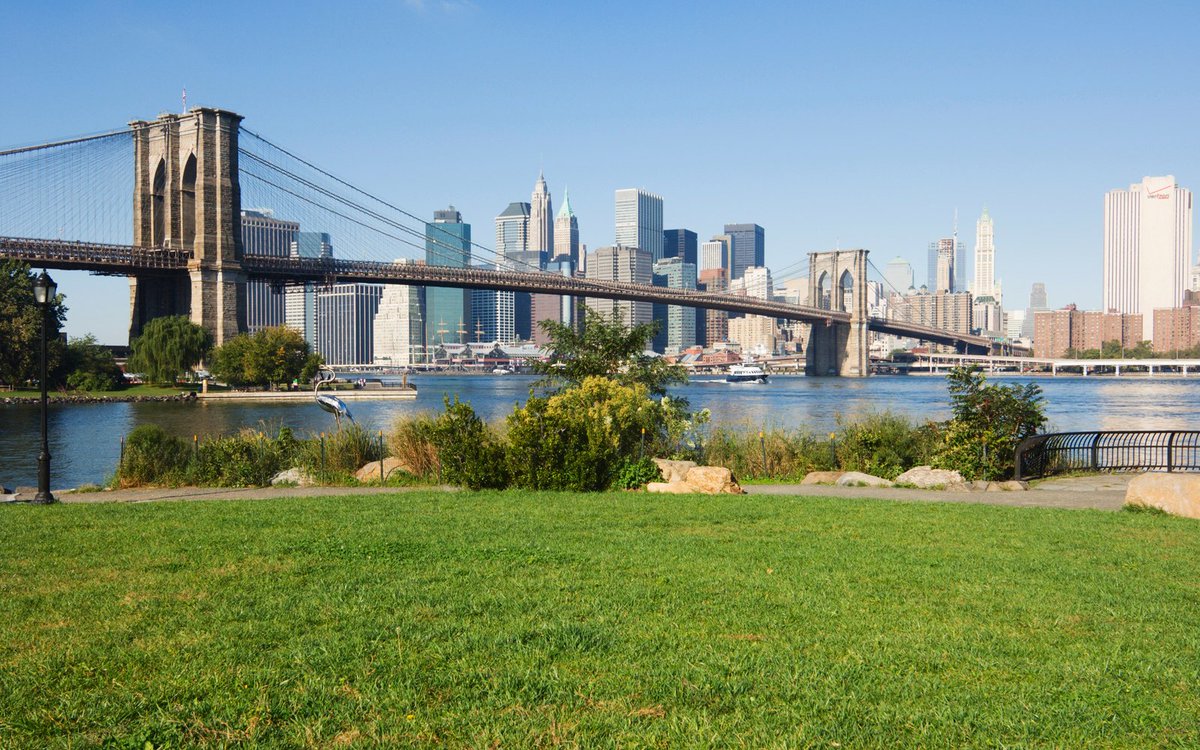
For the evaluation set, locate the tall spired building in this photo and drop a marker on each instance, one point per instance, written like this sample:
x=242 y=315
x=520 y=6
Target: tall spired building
x=566 y=233
x=1147 y=241
x=541 y=221
x=985 y=259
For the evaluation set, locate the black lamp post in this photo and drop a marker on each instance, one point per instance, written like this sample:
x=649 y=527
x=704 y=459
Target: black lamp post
x=44 y=290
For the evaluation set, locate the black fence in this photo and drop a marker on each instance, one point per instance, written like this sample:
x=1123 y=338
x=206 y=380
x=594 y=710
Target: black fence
x=1122 y=450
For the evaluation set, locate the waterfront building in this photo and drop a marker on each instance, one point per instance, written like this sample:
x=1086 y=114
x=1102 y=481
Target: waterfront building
x=715 y=254
x=514 y=309
x=345 y=323
x=620 y=263
x=677 y=324
x=948 y=310
x=1176 y=328
x=483 y=312
x=399 y=335
x=300 y=299
x=712 y=325
x=1147 y=247
x=985 y=259
x=566 y=233
x=447 y=311
x=756 y=334
x=541 y=222
x=898 y=276
x=640 y=221
x=1056 y=331
x=680 y=243
x=264 y=235
x=554 y=307
x=747 y=248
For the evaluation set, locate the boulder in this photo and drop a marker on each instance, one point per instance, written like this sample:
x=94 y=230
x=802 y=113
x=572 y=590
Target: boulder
x=673 y=471
x=713 y=480
x=1012 y=485
x=293 y=476
x=1177 y=494
x=822 y=477
x=859 y=479
x=981 y=485
x=670 y=488
x=370 y=472
x=927 y=478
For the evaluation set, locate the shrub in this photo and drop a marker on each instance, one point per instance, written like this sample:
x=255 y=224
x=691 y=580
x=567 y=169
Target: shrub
x=790 y=454
x=411 y=441
x=468 y=451
x=579 y=438
x=989 y=422
x=883 y=445
x=152 y=457
x=636 y=473
x=248 y=458
x=339 y=453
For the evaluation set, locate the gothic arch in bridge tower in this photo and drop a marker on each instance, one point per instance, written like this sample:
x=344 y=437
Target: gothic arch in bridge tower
x=838 y=283
x=186 y=195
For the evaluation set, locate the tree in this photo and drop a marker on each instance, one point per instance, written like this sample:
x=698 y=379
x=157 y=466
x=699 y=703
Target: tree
x=21 y=326
x=169 y=347
x=91 y=367
x=607 y=349
x=270 y=355
x=989 y=421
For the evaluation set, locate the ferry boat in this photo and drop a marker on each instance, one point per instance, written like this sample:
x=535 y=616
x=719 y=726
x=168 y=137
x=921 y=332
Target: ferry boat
x=746 y=374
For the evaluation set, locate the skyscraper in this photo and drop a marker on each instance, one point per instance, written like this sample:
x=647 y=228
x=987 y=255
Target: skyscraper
x=985 y=259
x=263 y=234
x=447 y=311
x=541 y=221
x=346 y=323
x=677 y=324
x=747 y=248
x=1147 y=248
x=947 y=269
x=898 y=276
x=300 y=299
x=680 y=243
x=1037 y=301
x=400 y=325
x=514 y=309
x=566 y=233
x=715 y=254
x=640 y=221
x=621 y=263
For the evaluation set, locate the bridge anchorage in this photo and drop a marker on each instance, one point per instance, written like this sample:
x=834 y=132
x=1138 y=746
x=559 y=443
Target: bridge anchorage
x=186 y=255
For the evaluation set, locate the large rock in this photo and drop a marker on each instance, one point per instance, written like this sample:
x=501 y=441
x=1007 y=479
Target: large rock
x=370 y=472
x=296 y=477
x=928 y=478
x=822 y=477
x=700 y=480
x=1177 y=494
x=673 y=471
x=859 y=479
x=713 y=480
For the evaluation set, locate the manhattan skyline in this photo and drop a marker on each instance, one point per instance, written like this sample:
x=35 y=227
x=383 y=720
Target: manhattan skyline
x=851 y=127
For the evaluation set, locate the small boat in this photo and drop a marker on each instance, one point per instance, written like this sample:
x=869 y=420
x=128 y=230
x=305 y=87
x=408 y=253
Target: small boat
x=502 y=371
x=746 y=374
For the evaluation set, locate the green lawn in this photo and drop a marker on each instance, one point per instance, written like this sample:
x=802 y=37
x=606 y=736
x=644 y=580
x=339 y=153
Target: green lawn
x=130 y=392
x=527 y=620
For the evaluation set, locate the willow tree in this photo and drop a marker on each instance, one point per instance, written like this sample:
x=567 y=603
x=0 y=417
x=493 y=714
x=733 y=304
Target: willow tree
x=169 y=347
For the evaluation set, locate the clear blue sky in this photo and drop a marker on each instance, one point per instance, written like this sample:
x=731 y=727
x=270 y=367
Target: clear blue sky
x=859 y=124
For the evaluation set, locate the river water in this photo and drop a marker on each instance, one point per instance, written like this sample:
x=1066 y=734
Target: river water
x=85 y=438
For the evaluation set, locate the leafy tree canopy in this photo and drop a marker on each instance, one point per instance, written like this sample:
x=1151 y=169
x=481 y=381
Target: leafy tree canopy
x=607 y=349
x=271 y=355
x=91 y=366
x=989 y=422
x=169 y=347
x=20 y=326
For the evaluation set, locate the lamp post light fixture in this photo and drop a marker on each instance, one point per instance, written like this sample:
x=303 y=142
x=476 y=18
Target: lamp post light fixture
x=44 y=290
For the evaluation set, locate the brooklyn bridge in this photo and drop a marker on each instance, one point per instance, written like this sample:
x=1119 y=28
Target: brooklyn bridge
x=66 y=205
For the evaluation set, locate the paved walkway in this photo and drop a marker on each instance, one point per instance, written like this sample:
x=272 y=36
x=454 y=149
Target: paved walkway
x=1095 y=492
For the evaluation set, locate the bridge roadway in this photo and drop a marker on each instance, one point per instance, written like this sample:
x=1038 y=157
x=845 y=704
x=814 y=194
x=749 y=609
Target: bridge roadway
x=125 y=260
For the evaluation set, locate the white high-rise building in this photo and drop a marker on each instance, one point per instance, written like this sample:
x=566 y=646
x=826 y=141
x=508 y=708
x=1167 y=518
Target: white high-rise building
x=898 y=276
x=985 y=259
x=714 y=254
x=755 y=282
x=541 y=220
x=1147 y=244
x=640 y=221
x=400 y=325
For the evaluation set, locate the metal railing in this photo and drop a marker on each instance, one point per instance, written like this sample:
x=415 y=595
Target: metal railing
x=1120 y=450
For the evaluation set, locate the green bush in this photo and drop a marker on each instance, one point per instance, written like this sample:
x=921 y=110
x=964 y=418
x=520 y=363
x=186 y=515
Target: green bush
x=468 y=451
x=884 y=445
x=246 y=459
x=989 y=422
x=411 y=442
x=790 y=454
x=340 y=453
x=637 y=473
x=152 y=457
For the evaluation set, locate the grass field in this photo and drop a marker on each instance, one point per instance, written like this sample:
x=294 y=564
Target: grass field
x=130 y=392
x=509 y=620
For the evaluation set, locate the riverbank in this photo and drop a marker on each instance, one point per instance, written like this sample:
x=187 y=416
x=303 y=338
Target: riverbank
x=73 y=398
x=360 y=394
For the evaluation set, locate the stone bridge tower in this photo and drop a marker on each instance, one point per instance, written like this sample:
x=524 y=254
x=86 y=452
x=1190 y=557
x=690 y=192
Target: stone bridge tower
x=838 y=281
x=186 y=195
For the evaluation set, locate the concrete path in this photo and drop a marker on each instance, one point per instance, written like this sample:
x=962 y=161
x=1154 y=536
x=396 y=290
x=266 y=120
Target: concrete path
x=1106 y=492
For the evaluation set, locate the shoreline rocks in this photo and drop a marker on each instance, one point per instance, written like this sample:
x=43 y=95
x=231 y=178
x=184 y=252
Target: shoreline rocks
x=181 y=397
x=695 y=480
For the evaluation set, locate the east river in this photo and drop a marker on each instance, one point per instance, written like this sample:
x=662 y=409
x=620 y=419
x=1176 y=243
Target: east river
x=85 y=439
